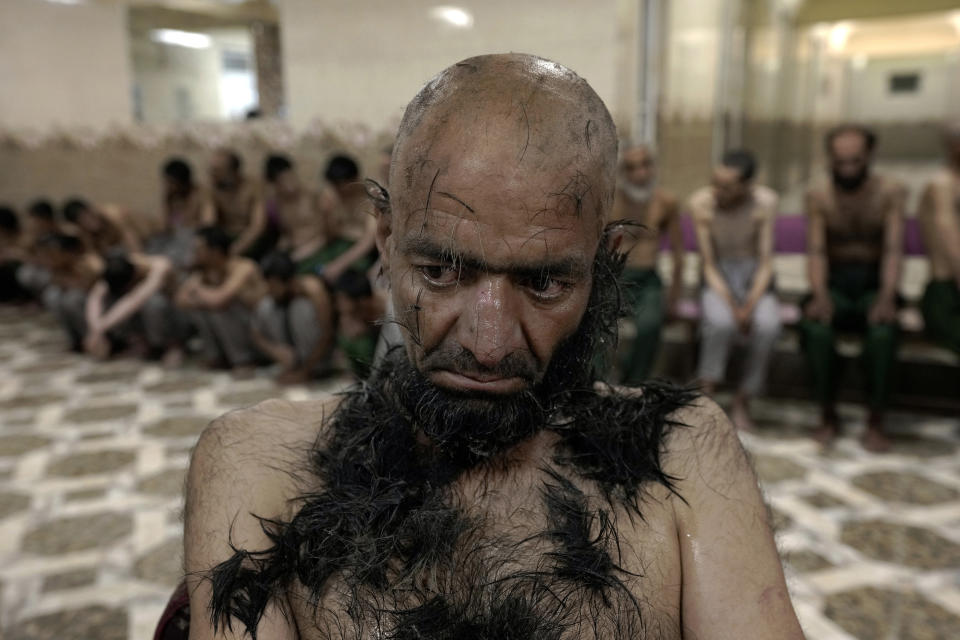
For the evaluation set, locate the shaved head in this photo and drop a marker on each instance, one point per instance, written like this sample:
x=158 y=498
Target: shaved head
x=515 y=113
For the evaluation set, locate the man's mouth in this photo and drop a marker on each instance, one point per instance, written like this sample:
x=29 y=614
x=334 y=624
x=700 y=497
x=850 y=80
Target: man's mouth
x=477 y=382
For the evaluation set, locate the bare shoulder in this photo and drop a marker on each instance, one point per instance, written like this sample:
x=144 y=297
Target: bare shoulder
x=703 y=450
x=668 y=199
x=767 y=198
x=701 y=203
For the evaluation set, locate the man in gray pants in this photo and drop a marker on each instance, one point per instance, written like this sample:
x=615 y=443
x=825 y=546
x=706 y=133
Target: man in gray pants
x=293 y=324
x=734 y=222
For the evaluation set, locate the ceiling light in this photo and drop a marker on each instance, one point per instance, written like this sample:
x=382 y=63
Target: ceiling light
x=179 y=38
x=454 y=16
x=838 y=36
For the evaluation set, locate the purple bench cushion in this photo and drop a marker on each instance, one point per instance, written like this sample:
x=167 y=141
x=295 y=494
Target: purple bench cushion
x=790 y=236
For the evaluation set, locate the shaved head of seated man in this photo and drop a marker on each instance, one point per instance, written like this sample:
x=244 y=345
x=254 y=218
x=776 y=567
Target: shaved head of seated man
x=483 y=483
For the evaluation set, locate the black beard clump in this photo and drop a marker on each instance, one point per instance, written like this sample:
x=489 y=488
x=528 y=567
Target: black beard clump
x=383 y=514
x=850 y=183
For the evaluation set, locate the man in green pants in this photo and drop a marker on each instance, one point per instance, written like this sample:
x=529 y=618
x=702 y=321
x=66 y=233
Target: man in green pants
x=940 y=219
x=654 y=211
x=855 y=246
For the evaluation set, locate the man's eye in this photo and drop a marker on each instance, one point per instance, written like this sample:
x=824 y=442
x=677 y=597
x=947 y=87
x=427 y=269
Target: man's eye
x=440 y=275
x=546 y=288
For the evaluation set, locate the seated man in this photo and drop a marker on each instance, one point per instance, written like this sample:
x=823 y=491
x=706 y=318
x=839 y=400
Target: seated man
x=482 y=484
x=347 y=212
x=103 y=227
x=33 y=275
x=734 y=219
x=186 y=207
x=220 y=297
x=294 y=323
x=940 y=220
x=638 y=200
x=359 y=311
x=239 y=206
x=128 y=308
x=305 y=228
x=73 y=271
x=854 y=250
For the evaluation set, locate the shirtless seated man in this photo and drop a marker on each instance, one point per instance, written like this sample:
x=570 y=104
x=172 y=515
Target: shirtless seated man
x=220 y=297
x=482 y=483
x=940 y=219
x=103 y=227
x=638 y=200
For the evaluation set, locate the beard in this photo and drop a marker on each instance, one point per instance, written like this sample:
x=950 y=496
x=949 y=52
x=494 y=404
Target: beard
x=637 y=194
x=469 y=427
x=850 y=183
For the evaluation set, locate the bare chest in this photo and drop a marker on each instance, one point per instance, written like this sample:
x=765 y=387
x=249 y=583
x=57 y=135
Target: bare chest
x=535 y=556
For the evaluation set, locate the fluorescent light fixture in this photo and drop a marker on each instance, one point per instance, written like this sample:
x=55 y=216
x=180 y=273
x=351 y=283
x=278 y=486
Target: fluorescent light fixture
x=454 y=16
x=179 y=38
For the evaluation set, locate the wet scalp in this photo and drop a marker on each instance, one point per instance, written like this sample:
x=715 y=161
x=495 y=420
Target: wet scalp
x=561 y=123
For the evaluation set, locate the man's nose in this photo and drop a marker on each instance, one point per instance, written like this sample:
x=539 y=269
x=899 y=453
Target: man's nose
x=491 y=328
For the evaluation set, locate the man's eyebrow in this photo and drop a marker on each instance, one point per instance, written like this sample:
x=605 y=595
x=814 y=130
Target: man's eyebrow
x=564 y=267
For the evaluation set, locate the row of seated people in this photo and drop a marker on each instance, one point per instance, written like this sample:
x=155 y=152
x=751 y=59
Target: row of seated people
x=112 y=290
x=855 y=238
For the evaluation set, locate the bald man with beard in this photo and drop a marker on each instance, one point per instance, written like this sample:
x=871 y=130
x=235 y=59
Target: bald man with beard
x=483 y=482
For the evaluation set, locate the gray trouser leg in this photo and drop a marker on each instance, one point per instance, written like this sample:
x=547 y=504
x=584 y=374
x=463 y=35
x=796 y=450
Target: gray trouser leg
x=718 y=329
x=158 y=322
x=764 y=330
x=231 y=329
x=304 y=328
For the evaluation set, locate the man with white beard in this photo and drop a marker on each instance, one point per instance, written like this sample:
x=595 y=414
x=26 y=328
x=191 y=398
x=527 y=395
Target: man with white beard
x=651 y=212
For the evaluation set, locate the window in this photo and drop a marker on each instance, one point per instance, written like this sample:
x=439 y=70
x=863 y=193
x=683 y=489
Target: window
x=904 y=82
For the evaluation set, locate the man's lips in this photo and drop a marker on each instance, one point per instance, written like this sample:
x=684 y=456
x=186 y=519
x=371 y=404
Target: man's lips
x=477 y=382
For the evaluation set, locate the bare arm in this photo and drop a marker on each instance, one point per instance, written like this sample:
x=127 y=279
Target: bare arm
x=323 y=305
x=733 y=584
x=219 y=297
x=820 y=307
x=120 y=218
x=335 y=268
x=677 y=250
x=892 y=246
x=764 y=273
x=239 y=467
x=94 y=307
x=254 y=229
x=701 y=221
x=159 y=270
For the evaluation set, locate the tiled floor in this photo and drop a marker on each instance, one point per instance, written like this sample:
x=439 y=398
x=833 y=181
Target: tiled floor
x=92 y=459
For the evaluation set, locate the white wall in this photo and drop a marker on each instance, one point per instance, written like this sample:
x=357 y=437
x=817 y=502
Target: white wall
x=693 y=42
x=363 y=61
x=870 y=100
x=63 y=65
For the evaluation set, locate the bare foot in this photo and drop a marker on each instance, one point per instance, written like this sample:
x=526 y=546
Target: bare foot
x=873 y=438
x=173 y=358
x=243 y=372
x=829 y=428
x=740 y=415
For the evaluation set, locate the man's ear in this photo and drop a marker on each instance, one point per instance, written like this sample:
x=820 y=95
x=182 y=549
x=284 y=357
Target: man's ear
x=620 y=236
